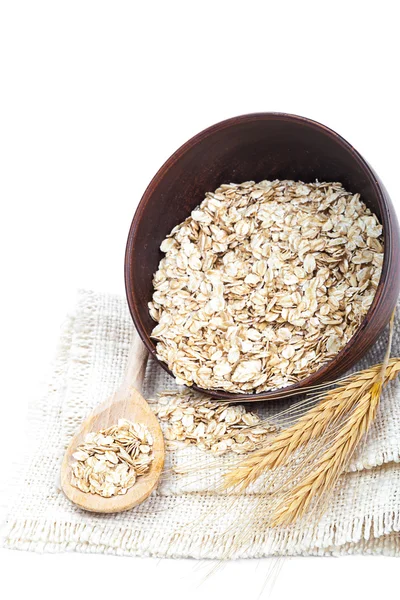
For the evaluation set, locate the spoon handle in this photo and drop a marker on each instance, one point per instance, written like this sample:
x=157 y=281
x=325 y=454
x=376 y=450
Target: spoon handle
x=136 y=364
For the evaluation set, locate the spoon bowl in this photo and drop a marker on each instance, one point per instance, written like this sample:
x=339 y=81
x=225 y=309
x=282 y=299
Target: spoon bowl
x=125 y=403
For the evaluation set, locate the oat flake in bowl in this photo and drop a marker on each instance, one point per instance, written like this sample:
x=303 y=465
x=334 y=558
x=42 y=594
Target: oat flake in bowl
x=264 y=283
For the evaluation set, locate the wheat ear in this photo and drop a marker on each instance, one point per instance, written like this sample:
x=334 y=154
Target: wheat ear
x=338 y=423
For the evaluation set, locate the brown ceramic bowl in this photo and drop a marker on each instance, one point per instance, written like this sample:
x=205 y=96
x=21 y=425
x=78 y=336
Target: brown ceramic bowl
x=256 y=147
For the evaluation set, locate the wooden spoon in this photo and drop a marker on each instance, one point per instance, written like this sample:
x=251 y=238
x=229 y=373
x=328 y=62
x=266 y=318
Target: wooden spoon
x=126 y=403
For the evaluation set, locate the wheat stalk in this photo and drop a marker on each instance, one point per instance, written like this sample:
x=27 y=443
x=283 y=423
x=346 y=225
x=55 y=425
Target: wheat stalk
x=325 y=437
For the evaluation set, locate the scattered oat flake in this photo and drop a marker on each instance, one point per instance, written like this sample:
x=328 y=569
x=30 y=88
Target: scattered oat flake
x=211 y=426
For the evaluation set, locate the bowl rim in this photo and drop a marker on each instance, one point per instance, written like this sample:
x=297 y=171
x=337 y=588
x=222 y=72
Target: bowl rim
x=301 y=386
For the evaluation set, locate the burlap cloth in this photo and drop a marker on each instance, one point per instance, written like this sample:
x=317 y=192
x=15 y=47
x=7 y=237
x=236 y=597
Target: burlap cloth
x=185 y=517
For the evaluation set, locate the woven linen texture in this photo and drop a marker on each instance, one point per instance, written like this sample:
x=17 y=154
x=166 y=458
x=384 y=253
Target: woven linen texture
x=186 y=516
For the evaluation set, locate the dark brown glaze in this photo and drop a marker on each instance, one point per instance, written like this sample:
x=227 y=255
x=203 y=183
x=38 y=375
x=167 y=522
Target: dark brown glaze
x=256 y=147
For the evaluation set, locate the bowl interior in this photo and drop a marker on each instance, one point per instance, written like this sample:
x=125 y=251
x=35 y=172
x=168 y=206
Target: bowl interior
x=252 y=147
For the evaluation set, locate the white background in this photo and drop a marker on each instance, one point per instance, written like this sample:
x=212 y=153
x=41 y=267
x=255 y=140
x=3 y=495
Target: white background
x=94 y=98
